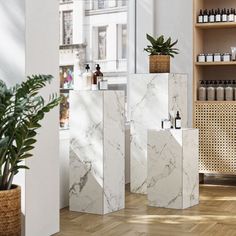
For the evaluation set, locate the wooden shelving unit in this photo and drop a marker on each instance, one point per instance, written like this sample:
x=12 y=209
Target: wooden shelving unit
x=222 y=63
x=226 y=25
x=216 y=120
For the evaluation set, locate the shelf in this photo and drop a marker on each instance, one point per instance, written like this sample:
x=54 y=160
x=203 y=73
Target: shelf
x=215 y=102
x=221 y=63
x=222 y=25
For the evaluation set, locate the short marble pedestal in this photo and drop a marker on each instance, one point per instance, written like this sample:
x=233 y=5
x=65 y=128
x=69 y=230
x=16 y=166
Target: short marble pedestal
x=153 y=97
x=97 y=182
x=173 y=180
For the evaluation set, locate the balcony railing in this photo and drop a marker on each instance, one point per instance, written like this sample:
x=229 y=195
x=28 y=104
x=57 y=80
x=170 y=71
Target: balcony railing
x=109 y=66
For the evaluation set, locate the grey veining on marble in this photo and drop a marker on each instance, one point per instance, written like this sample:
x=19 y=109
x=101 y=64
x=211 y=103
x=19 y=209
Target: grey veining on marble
x=173 y=177
x=97 y=151
x=153 y=97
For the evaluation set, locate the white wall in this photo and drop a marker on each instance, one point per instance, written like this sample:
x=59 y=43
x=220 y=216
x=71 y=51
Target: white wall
x=174 y=18
x=42 y=181
x=29 y=45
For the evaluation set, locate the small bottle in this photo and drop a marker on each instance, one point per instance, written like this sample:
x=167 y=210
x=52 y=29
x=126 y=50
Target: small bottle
x=201 y=58
x=87 y=78
x=103 y=84
x=220 y=92
x=226 y=57
x=228 y=13
x=97 y=74
x=211 y=16
x=178 y=121
x=234 y=15
x=231 y=16
x=229 y=92
x=202 y=91
x=200 y=17
x=217 y=57
x=205 y=16
x=209 y=57
x=218 y=15
x=224 y=15
x=210 y=92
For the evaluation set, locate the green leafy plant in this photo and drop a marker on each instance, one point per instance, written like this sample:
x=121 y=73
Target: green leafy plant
x=160 y=46
x=21 y=109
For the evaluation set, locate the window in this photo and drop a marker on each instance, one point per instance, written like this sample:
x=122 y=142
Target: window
x=66 y=77
x=102 y=42
x=124 y=3
x=124 y=41
x=67 y=27
x=101 y=4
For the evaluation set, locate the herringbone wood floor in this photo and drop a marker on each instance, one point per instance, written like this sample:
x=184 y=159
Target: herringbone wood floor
x=214 y=216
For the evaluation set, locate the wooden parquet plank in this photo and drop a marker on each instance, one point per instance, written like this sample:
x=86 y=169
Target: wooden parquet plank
x=215 y=215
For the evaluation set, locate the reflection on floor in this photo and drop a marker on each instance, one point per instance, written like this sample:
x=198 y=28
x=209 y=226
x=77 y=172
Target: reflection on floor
x=216 y=215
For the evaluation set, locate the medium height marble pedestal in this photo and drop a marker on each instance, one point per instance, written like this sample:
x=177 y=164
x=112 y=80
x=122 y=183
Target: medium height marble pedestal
x=153 y=97
x=173 y=179
x=97 y=182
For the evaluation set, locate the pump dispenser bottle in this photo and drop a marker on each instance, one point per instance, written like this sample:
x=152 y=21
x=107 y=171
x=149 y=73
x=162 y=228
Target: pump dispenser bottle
x=87 y=78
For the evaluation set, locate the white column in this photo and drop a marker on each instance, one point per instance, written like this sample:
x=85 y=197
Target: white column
x=173 y=179
x=42 y=180
x=29 y=45
x=97 y=151
x=153 y=97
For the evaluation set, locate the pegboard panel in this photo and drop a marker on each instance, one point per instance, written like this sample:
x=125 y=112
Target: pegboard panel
x=217 y=128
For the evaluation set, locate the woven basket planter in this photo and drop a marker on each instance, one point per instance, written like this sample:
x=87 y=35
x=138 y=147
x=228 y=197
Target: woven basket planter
x=159 y=64
x=10 y=212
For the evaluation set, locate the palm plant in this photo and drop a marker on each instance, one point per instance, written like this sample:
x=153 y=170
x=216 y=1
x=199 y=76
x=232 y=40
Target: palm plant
x=160 y=46
x=21 y=109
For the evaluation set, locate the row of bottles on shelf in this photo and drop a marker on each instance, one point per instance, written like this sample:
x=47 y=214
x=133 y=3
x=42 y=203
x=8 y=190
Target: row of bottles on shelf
x=216 y=57
x=92 y=80
x=217 y=15
x=217 y=90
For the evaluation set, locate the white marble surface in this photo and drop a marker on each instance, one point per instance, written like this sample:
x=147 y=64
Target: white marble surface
x=97 y=151
x=152 y=98
x=173 y=178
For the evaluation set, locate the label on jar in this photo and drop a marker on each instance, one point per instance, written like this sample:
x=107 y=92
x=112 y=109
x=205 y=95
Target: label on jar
x=210 y=94
x=212 y=18
x=103 y=85
x=178 y=124
x=220 y=94
x=205 y=18
x=218 y=18
x=229 y=94
x=224 y=18
x=217 y=58
x=200 y=19
x=201 y=58
x=202 y=94
x=231 y=18
x=226 y=58
x=209 y=58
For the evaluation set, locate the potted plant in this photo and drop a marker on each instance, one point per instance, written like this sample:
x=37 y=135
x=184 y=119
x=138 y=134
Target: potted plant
x=21 y=110
x=160 y=52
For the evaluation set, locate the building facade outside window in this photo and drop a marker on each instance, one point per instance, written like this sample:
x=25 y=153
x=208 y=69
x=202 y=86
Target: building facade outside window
x=92 y=32
x=101 y=4
x=67 y=27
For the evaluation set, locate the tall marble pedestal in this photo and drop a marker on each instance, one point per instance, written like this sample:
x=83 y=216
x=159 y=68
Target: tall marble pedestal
x=153 y=97
x=173 y=180
x=97 y=183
